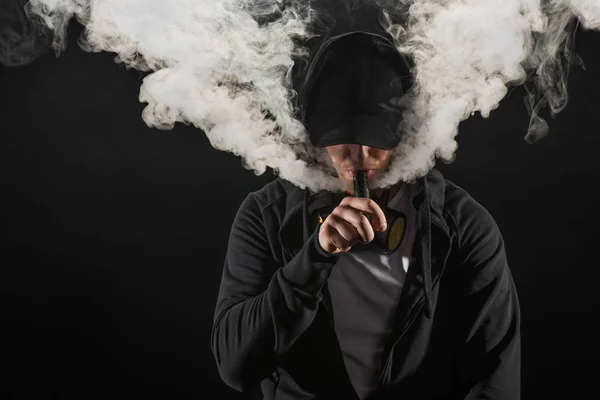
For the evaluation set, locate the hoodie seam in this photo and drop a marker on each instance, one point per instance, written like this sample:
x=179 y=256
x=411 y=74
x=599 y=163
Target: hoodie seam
x=454 y=225
x=269 y=204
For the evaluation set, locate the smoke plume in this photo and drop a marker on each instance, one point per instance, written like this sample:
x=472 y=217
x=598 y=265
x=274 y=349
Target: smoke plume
x=225 y=66
x=22 y=40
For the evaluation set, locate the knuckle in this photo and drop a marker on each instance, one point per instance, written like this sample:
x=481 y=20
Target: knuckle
x=333 y=218
x=339 y=210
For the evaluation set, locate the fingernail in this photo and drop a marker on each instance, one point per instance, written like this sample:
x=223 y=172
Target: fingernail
x=383 y=227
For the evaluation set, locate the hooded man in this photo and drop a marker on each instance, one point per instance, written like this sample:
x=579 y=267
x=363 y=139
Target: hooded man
x=403 y=294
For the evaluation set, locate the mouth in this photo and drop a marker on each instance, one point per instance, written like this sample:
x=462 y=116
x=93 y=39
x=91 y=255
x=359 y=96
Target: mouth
x=370 y=172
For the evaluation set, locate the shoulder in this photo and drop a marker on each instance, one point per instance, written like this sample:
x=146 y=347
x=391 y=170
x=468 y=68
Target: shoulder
x=474 y=223
x=274 y=194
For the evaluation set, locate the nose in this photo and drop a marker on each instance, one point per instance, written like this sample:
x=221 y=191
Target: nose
x=359 y=153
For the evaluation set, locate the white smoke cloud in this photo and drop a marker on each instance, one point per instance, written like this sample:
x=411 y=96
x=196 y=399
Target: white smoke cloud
x=214 y=66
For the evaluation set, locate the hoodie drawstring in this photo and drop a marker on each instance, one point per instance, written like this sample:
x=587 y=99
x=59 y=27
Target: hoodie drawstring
x=426 y=255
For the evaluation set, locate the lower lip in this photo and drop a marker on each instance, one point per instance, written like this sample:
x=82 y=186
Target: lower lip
x=370 y=172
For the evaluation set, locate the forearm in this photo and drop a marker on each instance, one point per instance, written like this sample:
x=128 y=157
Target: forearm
x=249 y=335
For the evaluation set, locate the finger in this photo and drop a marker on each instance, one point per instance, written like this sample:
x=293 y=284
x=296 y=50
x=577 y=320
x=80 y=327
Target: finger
x=347 y=232
x=338 y=246
x=357 y=220
x=334 y=241
x=372 y=208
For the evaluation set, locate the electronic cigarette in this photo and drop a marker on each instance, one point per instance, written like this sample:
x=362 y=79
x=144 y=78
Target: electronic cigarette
x=361 y=184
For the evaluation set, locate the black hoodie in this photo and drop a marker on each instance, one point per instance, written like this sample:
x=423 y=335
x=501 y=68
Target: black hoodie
x=457 y=327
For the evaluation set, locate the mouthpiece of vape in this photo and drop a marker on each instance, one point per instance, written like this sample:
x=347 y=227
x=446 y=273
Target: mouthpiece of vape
x=361 y=184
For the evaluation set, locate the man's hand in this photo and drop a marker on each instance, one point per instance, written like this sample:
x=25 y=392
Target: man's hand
x=347 y=225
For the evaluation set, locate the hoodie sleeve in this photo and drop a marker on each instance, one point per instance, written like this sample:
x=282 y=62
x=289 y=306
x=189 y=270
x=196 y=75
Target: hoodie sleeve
x=489 y=357
x=263 y=307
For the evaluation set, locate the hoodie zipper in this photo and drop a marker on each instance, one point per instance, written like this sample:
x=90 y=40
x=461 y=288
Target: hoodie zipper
x=282 y=246
x=387 y=361
x=421 y=304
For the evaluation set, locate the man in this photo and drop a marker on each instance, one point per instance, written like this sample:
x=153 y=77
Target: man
x=312 y=306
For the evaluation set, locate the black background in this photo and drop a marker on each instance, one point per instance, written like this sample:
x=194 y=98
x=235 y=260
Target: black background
x=115 y=234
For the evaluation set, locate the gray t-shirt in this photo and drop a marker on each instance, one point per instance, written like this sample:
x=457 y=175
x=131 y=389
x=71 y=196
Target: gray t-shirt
x=365 y=289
